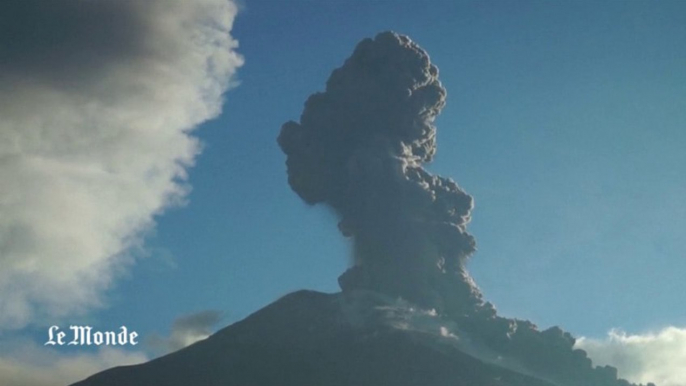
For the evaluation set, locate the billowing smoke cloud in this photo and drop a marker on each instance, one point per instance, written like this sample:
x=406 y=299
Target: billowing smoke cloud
x=654 y=357
x=185 y=331
x=97 y=100
x=360 y=147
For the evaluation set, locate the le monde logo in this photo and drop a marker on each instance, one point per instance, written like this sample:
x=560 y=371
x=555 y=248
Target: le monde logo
x=84 y=335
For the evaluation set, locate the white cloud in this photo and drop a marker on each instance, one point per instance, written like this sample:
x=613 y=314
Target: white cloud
x=654 y=357
x=94 y=138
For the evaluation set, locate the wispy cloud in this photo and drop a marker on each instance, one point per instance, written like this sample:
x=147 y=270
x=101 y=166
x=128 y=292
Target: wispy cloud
x=97 y=100
x=186 y=330
x=653 y=357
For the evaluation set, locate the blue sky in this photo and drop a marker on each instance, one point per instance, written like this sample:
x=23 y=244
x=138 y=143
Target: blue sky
x=564 y=120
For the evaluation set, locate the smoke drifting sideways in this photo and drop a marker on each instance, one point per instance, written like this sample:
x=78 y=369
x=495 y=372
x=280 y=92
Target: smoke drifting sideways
x=359 y=148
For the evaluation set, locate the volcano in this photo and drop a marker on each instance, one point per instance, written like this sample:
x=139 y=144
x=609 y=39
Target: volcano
x=409 y=312
x=357 y=338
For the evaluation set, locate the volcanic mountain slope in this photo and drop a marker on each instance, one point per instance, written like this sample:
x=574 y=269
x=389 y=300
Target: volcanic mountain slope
x=309 y=338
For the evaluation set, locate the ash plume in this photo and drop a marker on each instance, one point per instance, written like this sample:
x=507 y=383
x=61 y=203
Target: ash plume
x=360 y=147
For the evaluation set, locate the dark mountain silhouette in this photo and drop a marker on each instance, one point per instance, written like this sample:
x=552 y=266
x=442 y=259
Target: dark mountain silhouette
x=358 y=338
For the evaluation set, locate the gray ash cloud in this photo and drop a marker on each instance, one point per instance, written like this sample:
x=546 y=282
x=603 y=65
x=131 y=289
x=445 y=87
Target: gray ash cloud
x=359 y=148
